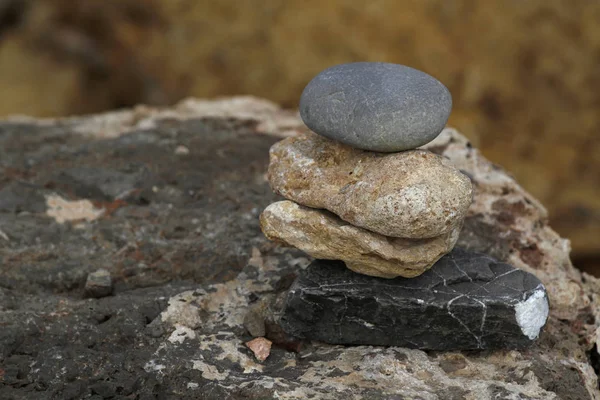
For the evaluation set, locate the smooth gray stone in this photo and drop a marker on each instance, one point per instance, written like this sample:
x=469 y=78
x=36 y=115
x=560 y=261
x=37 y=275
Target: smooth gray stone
x=376 y=106
x=466 y=301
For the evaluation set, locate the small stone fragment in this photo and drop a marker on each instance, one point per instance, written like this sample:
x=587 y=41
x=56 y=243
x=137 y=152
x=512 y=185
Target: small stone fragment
x=98 y=284
x=465 y=301
x=414 y=194
x=254 y=320
x=261 y=348
x=182 y=150
x=323 y=235
x=376 y=106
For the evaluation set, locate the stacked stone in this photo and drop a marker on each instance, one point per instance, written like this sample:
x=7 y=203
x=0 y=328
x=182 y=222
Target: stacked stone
x=359 y=190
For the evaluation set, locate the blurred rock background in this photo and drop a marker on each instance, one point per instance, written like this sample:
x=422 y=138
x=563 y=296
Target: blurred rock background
x=525 y=76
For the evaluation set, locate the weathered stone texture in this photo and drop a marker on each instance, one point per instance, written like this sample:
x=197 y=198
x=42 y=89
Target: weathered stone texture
x=194 y=223
x=412 y=194
x=323 y=235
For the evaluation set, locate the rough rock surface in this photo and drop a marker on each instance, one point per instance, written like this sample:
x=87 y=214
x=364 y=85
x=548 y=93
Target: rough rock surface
x=376 y=106
x=189 y=263
x=322 y=234
x=412 y=194
x=465 y=301
x=509 y=224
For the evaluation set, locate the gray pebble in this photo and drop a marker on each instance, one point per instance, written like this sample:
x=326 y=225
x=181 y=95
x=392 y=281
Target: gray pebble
x=99 y=284
x=376 y=106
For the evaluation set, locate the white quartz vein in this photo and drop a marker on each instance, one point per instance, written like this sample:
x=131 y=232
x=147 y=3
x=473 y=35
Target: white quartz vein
x=477 y=338
x=461 y=270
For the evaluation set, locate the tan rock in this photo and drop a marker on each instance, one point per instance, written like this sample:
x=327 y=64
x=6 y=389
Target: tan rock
x=261 y=348
x=413 y=194
x=323 y=235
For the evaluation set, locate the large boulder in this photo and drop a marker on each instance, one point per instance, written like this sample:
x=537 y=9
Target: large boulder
x=193 y=276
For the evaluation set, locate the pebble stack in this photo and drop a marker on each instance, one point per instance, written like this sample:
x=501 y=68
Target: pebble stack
x=359 y=190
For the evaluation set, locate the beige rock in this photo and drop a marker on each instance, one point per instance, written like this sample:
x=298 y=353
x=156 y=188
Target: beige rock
x=323 y=235
x=413 y=194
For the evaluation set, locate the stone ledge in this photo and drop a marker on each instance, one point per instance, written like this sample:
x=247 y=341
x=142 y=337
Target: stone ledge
x=179 y=234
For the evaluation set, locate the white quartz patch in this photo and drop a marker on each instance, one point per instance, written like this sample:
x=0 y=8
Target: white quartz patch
x=532 y=313
x=181 y=333
x=65 y=210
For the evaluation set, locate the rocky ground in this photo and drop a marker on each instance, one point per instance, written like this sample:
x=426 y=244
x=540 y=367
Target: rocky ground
x=167 y=201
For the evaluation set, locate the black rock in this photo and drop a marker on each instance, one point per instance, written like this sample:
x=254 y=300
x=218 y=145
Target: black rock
x=465 y=301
